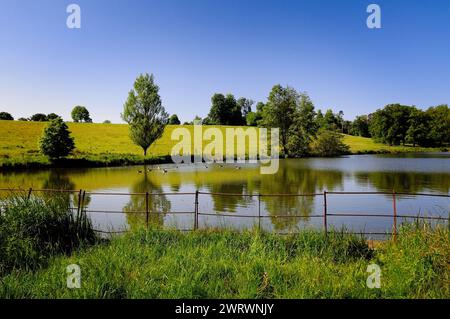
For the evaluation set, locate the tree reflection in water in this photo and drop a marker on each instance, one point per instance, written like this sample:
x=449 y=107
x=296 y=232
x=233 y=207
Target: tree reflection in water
x=158 y=204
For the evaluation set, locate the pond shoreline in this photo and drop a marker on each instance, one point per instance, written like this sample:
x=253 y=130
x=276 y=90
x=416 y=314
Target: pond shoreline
x=124 y=160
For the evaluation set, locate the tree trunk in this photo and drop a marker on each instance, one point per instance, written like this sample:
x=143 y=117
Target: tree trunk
x=145 y=152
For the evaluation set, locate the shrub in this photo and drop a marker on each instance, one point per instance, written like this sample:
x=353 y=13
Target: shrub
x=56 y=141
x=329 y=143
x=33 y=229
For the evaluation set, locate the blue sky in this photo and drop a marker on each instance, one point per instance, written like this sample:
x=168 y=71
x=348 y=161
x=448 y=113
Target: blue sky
x=196 y=48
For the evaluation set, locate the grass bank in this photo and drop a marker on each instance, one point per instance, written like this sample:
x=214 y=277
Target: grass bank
x=224 y=264
x=110 y=145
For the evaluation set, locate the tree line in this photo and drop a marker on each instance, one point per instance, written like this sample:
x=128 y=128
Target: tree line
x=303 y=130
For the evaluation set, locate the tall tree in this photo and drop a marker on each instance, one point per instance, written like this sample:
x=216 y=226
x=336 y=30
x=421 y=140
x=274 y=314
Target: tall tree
x=81 y=114
x=144 y=112
x=390 y=124
x=303 y=128
x=360 y=126
x=439 y=124
x=417 y=132
x=280 y=110
x=245 y=105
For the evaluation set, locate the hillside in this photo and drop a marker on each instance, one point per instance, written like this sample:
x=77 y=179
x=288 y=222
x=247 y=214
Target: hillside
x=110 y=144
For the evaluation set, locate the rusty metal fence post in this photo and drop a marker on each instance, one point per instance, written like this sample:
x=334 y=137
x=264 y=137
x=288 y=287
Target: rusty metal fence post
x=196 y=211
x=146 y=209
x=29 y=193
x=259 y=212
x=325 y=226
x=394 y=203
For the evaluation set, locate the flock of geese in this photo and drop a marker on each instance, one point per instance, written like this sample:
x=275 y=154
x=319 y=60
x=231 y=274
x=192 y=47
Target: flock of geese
x=164 y=170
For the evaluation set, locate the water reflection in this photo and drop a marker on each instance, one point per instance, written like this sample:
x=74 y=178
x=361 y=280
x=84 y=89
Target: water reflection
x=158 y=204
x=301 y=176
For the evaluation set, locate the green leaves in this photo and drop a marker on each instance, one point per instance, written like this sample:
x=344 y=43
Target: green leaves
x=56 y=141
x=144 y=112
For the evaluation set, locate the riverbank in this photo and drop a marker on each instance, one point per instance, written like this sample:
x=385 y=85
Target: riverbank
x=223 y=264
x=101 y=145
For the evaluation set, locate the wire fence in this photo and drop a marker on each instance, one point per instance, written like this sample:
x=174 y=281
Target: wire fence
x=197 y=213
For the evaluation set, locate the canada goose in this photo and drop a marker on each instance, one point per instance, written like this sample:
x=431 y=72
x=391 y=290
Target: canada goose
x=164 y=170
x=159 y=167
x=149 y=169
x=139 y=172
x=238 y=167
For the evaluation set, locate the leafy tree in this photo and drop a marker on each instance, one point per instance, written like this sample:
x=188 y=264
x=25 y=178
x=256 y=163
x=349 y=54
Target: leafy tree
x=439 y=124
x=6 y=116
x=22 y=119
x=390 y=124
x=245 y=105
x=106 y=122
x=251 y=119
x=173 y=120
x=360 y=126
x=81 y=114
x=303 y=128
x=280 y=111
x=330 y=121
x=56 y=141
x=38 y=117
x=52 y=116
x=329 y=143
x=144 y=112
x=224 y=111
x=320 y=119
x=418 y=130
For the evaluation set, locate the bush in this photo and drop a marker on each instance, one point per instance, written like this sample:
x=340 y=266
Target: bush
x=33 y=229
x=329 y=143
x=56 y=141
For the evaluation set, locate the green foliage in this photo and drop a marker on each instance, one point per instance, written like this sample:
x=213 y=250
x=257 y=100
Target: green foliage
x=174 y=120
x=56 y=141
x=439 y=124
x=303 y=129
x=39 y=117
x=245 y=105
x=225 y=110
x=390 y=124
x=144 y=112
x=279 y=112
x=418 y=130
x=329 y=143
x=81 y=114
x=106 y=122
x=360 y=126
x=33 y=229
x=395 y=124
x=5 y=116
x=52 y=116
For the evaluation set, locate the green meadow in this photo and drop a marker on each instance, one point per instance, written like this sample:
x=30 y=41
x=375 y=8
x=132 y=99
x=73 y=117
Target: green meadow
x=109 y=144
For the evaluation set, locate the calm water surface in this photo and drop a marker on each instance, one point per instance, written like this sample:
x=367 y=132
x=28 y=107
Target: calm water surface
x=428 y=173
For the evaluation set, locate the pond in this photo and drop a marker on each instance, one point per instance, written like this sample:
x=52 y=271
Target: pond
x=409 y=173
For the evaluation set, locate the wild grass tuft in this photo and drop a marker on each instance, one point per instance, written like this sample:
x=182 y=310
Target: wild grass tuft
x=33 y=229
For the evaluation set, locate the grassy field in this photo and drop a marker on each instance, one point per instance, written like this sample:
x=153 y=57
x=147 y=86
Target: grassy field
x=225 y=264
x=109 y=144
x=39 y=238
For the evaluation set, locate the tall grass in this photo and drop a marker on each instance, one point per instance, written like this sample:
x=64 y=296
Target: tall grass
x=225 y=264
x=33 y=229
